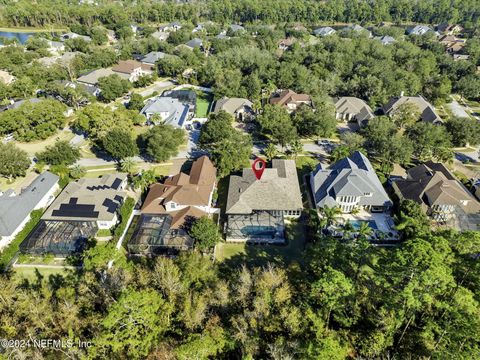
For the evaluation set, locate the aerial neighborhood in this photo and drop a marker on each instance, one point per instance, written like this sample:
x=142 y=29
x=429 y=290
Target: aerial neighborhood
x=256 y=186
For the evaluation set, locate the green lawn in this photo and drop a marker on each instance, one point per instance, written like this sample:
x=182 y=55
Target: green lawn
x=96 y=174
x=234 y=255
x=203 y=104
x=31 y=29
x=31 y=273
x=162 y=170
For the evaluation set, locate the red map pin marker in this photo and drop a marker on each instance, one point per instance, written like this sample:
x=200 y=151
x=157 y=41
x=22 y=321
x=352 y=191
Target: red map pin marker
x=258 y=167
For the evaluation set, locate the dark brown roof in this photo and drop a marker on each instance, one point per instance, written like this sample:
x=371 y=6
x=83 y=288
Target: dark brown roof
x=432 y=184
x=289 y=96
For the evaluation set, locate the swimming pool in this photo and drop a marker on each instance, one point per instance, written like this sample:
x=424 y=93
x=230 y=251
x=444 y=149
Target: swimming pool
x=357 y=223
x=259 y=231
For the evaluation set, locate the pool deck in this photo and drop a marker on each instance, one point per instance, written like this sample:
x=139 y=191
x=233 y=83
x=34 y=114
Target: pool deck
x=382 y=220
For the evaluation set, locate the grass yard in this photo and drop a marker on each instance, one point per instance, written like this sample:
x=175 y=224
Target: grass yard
x=36 y=146
x=234 y=255
x=31 y=29
x=162 y=170
x=203 y=104
x=98 y=173
x=31 y=273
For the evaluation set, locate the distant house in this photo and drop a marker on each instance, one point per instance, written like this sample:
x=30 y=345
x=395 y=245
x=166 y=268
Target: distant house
x=198 y=28
x=285 y=44
x=152 y=57
x=448 y=29
x=234 y=28
x=170 y=208
x=92 y=77
x=173 y=26
x=256 y=209
x=167 y=110
x=358 y=29
x=132 y=69
x=15 y=209
x=418 y=30
x=427 y=111
x=72 y=35
x=290 y=99
x=386 y=40
x=160 y=35
x=350 y=184
x=240 y=109
x=6 y=78
x=64 y=60
x=324 y=31
x=55 y=47
x=195 y=44
x=452 y=44
x=440 y=195
x=353 y=109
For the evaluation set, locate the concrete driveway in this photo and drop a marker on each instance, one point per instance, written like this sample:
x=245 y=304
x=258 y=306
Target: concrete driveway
x=458 y=109
x=159 y=86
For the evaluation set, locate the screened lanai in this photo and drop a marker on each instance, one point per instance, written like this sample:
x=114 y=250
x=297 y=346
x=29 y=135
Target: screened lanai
x=61 y=238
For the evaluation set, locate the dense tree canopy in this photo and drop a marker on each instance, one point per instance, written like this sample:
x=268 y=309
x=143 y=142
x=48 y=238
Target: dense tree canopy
x=62 y=152
x=33 y=120
x=14 y=162
x=162 y=142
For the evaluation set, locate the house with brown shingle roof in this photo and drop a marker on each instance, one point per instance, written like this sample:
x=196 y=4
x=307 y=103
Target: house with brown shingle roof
x=440 y=195
x=290 y=99
x=183 y=195
x=169 y=209
x=133 y=69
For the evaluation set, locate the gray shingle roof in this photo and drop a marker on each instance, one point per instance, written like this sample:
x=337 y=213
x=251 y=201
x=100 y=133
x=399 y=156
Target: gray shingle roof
x=351 y=176
x=14 y=209
x=153 y=57
x=419 y=30
x=278 y=189
x=172 y=110
x=386 y=40
x=324 y=31
x=195 y=43
x=353 y=105
x=231 y=105
x=427 y=111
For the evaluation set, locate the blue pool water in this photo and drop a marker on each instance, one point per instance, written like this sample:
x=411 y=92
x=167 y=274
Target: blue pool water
x=357 y=223
x=259 y=231
x=20 y=36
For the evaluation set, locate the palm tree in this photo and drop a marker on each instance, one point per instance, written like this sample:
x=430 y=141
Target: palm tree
x=348 y=229
x=296 y=148
x=128 y=165
x=270 y=151
x=76 y=171
x=330 y=215
x=365 y=230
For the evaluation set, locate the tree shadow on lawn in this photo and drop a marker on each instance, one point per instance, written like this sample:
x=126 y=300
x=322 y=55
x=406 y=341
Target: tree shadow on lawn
x=260 y=255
